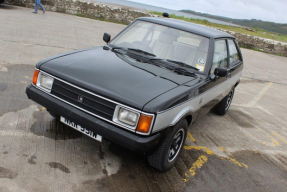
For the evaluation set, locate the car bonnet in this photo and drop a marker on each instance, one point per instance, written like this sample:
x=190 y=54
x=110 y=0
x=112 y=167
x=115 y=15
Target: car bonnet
x=104 y=73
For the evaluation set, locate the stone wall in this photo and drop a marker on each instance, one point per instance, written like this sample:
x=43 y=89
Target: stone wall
x=86 y=9
x=125 y=16
x=258 y=43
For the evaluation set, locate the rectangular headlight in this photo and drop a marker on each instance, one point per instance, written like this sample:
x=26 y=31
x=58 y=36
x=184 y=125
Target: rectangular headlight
x=45 y=81
x=128 y=117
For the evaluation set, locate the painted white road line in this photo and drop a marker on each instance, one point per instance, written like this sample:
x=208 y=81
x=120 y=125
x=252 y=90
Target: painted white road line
x=260 y=94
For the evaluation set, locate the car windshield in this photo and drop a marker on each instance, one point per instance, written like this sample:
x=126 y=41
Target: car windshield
x=165 y=42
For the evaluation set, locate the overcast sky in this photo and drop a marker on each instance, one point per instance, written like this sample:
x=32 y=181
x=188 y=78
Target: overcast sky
x=267 y=10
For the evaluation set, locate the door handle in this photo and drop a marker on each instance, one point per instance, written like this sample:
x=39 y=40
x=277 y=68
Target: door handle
x=228 y=75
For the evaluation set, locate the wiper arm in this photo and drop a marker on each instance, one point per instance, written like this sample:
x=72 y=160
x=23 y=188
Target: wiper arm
x=141 y=51
x=116 y=47
x=132 y=49
x=120 y=48
x=177 y=70
x=182 y=64
x=182 y=71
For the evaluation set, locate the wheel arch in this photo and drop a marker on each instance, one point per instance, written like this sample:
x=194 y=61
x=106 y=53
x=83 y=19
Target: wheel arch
x=189 y=119
x=188 y=115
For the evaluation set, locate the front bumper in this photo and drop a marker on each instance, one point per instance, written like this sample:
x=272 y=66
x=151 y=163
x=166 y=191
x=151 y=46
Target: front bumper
x=142 y=144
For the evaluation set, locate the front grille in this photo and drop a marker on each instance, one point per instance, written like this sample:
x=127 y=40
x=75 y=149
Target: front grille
x=91 y=103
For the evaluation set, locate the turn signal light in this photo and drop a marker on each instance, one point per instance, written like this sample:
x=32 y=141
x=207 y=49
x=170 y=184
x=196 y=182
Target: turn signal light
x=35 y=77
x=144 y=123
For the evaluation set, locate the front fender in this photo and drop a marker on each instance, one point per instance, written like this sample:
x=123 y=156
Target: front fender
x=58 y=56
x=170 y=117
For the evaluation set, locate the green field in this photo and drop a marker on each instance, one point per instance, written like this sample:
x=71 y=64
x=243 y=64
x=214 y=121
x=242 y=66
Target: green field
x=256 y=32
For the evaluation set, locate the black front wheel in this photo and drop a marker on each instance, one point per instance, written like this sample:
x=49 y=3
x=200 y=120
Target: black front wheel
x=169 y=150
x=2 y=1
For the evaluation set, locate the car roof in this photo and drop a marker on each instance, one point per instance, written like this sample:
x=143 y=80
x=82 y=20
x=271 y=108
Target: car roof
x=188 y=26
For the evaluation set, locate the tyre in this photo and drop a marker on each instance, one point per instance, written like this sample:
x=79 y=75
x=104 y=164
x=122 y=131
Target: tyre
x=170 y=149
x=222 y=107
x=2 y=1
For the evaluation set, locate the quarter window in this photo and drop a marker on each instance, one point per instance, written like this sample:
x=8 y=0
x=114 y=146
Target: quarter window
x=234 y=56
x=220 y=55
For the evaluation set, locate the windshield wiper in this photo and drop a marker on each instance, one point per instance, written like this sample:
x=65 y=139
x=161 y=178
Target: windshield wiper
x=182 y=64
x=182 y=71
x=174 y=69
x=116 y=47
x=141 y=51
x=132 y=49
x=118 y=51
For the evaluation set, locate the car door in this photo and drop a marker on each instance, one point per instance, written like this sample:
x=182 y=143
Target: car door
x=215 y=87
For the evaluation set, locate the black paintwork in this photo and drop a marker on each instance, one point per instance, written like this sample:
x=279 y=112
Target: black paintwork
x=136 y=82
x=109 y=74
x=58 y=56
x=128 y=82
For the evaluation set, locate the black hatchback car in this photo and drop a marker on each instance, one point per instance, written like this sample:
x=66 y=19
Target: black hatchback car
x=145 y=87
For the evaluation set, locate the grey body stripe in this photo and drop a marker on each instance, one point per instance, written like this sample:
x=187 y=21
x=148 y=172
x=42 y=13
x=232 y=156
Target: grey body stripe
x=171 y=116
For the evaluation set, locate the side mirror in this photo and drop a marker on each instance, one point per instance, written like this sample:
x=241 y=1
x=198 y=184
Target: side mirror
x=220 y=72
x=107 y=37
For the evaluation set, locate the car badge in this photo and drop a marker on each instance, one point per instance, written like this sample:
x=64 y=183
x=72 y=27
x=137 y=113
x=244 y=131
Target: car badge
x=80 y=98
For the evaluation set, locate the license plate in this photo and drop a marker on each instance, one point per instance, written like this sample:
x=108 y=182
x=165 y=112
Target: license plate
x=81 y=129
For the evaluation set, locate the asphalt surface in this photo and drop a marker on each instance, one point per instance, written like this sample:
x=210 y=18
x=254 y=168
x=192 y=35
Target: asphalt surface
x=245 y=150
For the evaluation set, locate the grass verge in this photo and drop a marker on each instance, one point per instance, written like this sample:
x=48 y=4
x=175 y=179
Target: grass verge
x=255 y=32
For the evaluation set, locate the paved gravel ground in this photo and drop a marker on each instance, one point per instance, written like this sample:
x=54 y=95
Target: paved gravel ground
x=245 y=150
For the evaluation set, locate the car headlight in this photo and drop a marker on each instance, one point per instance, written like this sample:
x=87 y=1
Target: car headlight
x=139 y=121
x=45 y=81
x=128 y=117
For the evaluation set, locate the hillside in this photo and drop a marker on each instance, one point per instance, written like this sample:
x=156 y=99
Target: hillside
x=254 y=23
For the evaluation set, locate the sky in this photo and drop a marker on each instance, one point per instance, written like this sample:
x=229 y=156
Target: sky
x=266 y=10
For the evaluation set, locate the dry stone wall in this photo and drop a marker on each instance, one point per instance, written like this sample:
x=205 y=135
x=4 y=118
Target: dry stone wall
x=258 y=43
x=86 y=9
x=125 y=16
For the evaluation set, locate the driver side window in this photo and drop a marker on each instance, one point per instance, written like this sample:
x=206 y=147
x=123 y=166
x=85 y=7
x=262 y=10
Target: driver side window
x=220 y=56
